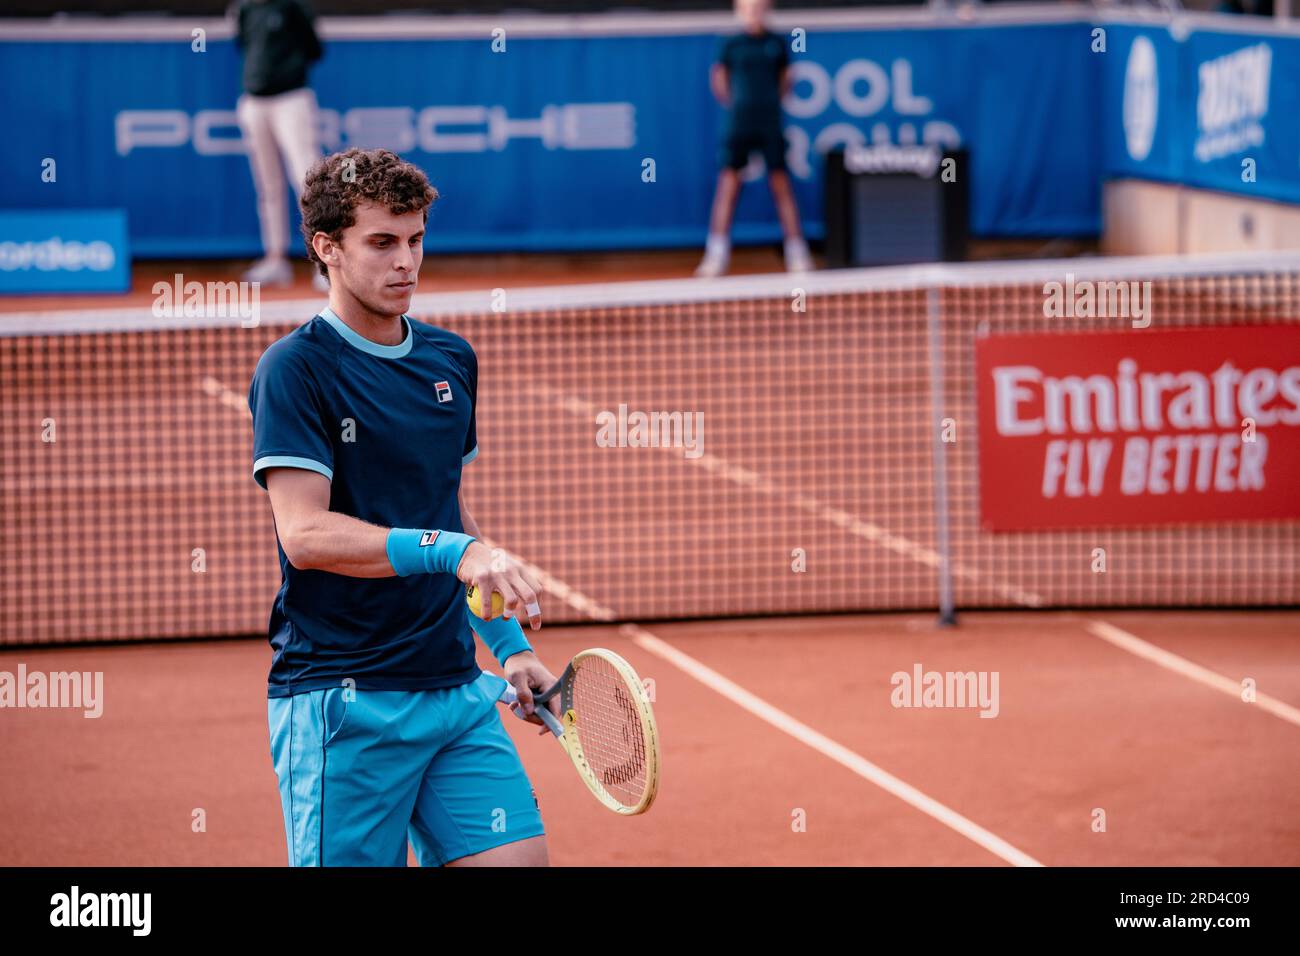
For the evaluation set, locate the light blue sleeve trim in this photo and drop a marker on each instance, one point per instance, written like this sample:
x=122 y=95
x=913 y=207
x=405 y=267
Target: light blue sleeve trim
x=473 y=453
x=288 y=461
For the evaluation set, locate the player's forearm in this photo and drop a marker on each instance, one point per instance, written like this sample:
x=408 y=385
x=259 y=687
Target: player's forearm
x=721 y=88
x=338 y=543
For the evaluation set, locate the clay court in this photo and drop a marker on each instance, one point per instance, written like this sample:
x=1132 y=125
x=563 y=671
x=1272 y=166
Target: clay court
x=1187 y=774
x=1121 y=736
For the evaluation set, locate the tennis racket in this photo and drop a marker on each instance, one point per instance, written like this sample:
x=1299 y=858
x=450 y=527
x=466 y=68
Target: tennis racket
x=608 y=728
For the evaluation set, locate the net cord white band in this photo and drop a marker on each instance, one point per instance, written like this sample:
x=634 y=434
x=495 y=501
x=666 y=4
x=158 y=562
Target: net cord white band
x=667 y=292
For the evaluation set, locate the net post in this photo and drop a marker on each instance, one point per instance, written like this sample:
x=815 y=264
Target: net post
x=947 y=610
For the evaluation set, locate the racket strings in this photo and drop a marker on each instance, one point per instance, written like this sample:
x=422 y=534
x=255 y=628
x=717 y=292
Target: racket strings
x=610 y=729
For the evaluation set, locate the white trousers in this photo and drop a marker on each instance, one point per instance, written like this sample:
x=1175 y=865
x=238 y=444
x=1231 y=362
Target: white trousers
x=278 y=126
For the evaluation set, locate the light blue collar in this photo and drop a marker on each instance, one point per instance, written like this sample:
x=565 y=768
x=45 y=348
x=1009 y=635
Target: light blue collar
x=355 y=339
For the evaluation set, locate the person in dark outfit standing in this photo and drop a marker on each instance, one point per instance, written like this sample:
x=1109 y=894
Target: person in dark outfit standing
x=751 y=75
x=277 y=113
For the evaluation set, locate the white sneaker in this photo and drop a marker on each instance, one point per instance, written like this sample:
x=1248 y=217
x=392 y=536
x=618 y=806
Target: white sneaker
x=797 y=257
x=711 y=266
x=717 y=256
x=320 y=283
x=270 y=272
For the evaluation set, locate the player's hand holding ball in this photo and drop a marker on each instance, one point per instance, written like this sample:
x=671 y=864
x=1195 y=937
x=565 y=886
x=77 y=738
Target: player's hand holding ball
x=475 y=599
x=513 y=587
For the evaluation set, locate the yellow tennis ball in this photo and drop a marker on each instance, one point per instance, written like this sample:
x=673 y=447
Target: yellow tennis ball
x=474 y=598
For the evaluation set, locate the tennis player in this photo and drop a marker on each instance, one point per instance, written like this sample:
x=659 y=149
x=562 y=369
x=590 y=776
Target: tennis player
x=750 y=77
x=383 y=728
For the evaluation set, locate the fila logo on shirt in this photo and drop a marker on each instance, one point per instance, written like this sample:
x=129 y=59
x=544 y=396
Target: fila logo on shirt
x=444 y=391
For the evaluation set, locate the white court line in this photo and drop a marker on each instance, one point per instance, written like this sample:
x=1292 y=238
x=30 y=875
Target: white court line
x=789 y=725
x=552 y=585
x=225 y=396
x=1181 y=665
x=826 y=747
x=841 y=519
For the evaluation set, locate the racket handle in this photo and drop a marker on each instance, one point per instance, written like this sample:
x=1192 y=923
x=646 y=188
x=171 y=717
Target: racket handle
x=508 y=696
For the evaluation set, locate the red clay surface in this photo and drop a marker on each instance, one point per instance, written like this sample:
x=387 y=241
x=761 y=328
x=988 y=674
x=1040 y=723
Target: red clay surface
x=1186 y=775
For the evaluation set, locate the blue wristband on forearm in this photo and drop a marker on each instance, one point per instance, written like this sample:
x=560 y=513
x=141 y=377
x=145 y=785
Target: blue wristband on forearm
x=503 y=636
x=411 y=551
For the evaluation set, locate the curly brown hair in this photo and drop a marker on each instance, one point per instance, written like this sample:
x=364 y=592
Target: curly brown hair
x=337 y=183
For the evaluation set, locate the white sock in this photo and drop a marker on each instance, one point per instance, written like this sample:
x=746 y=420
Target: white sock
x=718 y=247
x=794 y=246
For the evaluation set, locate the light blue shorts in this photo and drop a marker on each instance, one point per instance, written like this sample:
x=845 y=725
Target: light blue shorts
x=363 y=771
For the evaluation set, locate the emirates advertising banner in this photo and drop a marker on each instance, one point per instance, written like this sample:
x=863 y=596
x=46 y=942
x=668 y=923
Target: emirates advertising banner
x=1107 y=429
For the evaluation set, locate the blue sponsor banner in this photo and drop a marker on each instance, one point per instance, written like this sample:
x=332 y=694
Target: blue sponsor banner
x=558 y=143
x=1214 y=110
x=64 y=251
x=1019 y=98
x=1142 y=122
x=1244 y=115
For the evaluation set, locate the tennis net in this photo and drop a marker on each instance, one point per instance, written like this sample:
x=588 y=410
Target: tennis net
x=794 y=472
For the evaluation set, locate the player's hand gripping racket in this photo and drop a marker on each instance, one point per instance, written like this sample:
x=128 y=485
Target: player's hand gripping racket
x=608 y=728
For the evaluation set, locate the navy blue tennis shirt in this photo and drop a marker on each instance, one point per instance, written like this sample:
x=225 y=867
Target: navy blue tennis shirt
x=391 y=426
x=754 y=65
